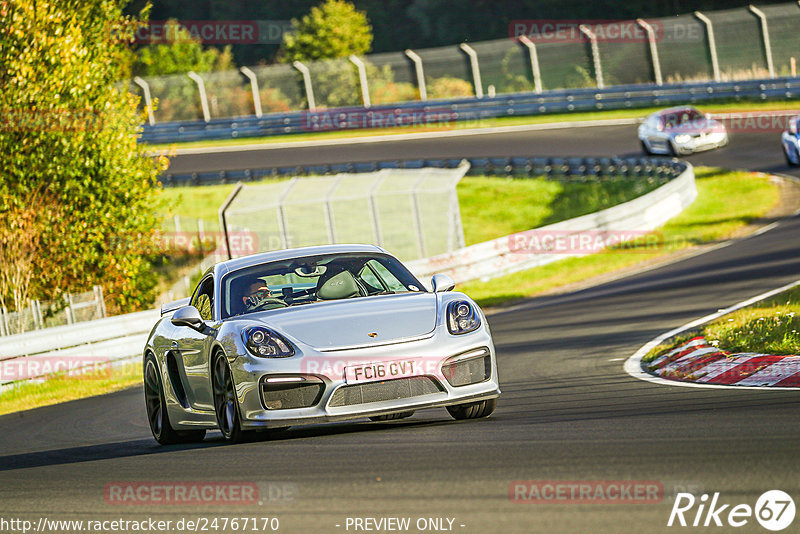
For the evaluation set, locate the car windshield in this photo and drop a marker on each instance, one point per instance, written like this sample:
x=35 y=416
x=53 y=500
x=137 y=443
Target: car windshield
x=312 y=279
x=688 y=117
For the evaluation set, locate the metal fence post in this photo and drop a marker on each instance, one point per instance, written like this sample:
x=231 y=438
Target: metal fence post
x=201 y=86
x=373 y=208
x=534 y=57
x=476 y=70
x=362 y=77
x=765 y=35
x=654 y=60
x=68 y=309
x=148 y=101
x=4 y=330
x=254 y=87
x=307 y=82
x=598 y=68
x=712 y=43
x=420 y=73
x=223 y=224
x=283 y=224
x=99 y=304
x=328 y=209
x=421 y=249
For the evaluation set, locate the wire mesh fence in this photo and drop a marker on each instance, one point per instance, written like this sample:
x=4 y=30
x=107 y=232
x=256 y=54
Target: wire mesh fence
x=73 y=308
x=684 y=48
x=412 y=212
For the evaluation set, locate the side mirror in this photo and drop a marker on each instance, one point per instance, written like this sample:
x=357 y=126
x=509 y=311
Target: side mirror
x=187 y=316
x=441 y=283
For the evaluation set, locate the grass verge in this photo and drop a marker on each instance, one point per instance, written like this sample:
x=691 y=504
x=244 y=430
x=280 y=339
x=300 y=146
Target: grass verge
x=716 y=107
x=726 y=202
x=767 y=327
x=61 y=388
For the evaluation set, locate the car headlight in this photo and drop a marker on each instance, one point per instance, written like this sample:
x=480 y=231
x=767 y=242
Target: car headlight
x=264 y=342
x=462 y=317
x=682 y=138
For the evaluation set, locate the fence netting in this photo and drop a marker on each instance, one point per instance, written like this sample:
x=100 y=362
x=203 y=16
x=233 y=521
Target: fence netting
x=413 y=213
x=682 y=44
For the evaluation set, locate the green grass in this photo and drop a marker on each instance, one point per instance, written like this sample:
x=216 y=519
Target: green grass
x=61 y=389
x=727 y=201
x=717 y=107
x=771 y=326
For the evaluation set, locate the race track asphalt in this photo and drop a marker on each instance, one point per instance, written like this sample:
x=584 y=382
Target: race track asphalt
x=568 y=411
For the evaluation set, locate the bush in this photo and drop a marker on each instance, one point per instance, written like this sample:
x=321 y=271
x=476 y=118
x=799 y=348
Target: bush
x=69 y=135
x=446 y=87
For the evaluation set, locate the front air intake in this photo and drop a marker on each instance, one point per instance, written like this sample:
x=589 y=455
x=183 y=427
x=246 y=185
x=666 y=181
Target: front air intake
x=287 y=392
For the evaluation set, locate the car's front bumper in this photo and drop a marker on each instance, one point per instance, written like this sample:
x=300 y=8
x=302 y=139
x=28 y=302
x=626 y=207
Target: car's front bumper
x=707 y=141
x=328 y=367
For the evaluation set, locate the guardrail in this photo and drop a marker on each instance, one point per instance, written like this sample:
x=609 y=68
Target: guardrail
x=441 y=112
x=73 y=348
x=567 y=168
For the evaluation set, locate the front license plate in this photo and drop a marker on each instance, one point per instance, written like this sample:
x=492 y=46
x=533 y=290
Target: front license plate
x=372 y=372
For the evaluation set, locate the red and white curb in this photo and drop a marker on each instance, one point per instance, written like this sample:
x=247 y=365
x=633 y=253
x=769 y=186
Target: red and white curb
x=697 y=361
x=719 y=370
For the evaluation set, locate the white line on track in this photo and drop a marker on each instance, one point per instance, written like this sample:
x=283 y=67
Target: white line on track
x=633 y=365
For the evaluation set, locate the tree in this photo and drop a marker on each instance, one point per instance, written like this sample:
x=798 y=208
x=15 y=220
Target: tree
x=69 y=134
x=180 y=52
x=333 y=29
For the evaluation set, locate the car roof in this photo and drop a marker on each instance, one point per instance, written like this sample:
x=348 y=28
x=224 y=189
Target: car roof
x=675 y=109
x=285 y=254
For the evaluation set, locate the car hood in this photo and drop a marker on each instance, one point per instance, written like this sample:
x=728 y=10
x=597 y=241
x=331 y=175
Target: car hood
x=697 y=127
x=364 y=321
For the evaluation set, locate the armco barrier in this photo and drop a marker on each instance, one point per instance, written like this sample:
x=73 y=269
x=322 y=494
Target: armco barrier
x=111 y=340
x=470 y=109
x=500 y=256
x=569 y=168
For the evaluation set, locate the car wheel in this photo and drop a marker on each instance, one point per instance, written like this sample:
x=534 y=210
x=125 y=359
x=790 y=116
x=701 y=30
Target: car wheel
x=671 y=150
x=226 y=405
x=645 y=148
x=392 y=416
x=789 y=159
x=156 y=407
x=473 y=410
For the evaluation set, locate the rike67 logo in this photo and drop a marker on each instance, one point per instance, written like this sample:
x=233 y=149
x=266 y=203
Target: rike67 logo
x=774 y=510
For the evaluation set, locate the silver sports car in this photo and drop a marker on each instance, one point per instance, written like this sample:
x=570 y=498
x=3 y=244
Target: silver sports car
x=313 y=335
x=681 y=130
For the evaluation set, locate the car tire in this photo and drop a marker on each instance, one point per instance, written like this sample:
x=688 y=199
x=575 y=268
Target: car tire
x=473 y=410
x=789 y=160
x=156 y=408
x=671 y=150
x=226 y=405
x=392 y=416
